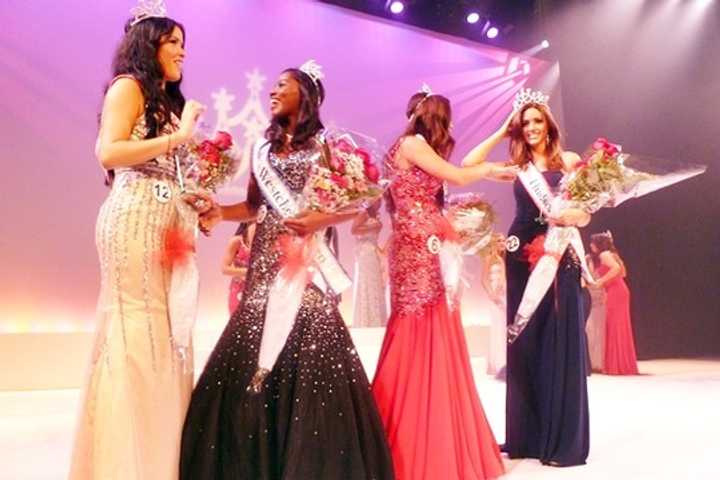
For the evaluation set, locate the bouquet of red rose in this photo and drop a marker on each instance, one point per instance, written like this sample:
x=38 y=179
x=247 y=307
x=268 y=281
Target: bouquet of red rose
x=607 y=177
x=213 y=161
x=346 y=178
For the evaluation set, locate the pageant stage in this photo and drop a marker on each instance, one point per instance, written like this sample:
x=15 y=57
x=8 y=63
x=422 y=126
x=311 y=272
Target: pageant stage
x=662 y=424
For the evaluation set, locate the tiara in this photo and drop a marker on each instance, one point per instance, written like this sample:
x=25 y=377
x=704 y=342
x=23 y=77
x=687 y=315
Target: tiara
x=609 y=234
x=424 y=88
x=148 y=9
x=312 y=70
x=527 y=95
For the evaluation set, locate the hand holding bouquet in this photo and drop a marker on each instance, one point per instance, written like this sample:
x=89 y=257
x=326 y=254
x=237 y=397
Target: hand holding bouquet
x=472 y=220
x=212 y=161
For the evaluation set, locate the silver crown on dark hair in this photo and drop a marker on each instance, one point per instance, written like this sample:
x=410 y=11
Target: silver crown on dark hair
x=148 y=9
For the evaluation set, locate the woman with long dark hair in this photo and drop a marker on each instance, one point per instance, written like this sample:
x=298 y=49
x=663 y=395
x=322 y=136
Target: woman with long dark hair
x=140 y=382
x=311 y=415
x=610 y=273
x=424 y=385
x=546 y=402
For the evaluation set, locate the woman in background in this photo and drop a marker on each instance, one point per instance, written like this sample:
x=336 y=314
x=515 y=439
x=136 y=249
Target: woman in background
x=235 y=262
x=369 y=286
x=620 y=357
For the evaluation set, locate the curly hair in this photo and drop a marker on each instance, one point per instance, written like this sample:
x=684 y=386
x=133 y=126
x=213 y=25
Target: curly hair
x=136 y=56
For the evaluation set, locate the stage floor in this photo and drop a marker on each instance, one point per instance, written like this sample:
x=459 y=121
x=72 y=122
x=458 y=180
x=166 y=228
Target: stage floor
x=663 y=424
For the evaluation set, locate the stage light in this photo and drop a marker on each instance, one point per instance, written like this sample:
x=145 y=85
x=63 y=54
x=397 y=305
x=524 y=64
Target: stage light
x=397 y=7
x=492 y=32
x=545 y=44
x=473 y=17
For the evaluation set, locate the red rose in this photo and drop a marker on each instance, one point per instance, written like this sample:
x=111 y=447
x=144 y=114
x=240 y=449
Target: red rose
x=344 y=146
x=612 y=149
x=223 y=140
x=339 y=180
x=364 y=155
x=209 y=152
x=336 y=164
x=373 y=174
x=600 y=143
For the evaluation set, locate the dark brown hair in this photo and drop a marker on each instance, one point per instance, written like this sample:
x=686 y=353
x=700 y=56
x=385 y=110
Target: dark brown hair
x=430 y=116
x=520 y=153
x=136 y=55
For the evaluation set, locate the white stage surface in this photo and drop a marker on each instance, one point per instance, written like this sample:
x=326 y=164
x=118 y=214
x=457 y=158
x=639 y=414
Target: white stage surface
x=662 y=424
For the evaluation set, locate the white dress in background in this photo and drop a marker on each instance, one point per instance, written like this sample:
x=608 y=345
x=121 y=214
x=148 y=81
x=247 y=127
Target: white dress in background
x=369 y=300
x=595 y=329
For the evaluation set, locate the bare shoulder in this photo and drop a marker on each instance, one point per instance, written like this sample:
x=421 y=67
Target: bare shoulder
x=125 y=90
x=607 y=257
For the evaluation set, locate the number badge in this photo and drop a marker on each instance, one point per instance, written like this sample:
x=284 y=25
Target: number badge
x=161 y=191
x=433 y=244
x=512 y=243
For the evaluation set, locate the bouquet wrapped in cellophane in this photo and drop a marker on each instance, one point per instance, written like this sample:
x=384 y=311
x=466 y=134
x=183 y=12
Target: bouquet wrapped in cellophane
x=212 y=161
x=203 y=163
x=472 y=220
x=607 y=177
x=347 y=178
x=467 y=230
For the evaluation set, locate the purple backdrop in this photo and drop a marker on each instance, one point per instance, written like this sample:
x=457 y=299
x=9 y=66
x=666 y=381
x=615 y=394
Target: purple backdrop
x=55 y=59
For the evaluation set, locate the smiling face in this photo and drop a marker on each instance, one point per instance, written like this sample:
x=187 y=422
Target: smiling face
x=285 y=96
x=171 y=55
x=534 y=127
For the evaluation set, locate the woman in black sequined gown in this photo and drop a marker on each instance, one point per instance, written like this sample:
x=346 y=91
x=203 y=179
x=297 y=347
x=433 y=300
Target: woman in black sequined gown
x=314 y=417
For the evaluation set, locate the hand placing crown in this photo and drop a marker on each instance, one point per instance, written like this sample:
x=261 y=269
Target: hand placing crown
x=526 y=96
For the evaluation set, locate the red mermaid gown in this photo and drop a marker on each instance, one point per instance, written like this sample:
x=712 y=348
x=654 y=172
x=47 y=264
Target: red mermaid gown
x=423 y=386
x=620 y=357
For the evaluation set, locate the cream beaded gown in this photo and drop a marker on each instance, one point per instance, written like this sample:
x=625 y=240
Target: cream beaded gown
x=138 y=389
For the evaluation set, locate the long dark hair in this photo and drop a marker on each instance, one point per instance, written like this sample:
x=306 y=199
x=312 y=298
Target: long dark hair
x=604 y=243
x=520 y=153
x=429 y=116
x=312 y=94
x=137 y=56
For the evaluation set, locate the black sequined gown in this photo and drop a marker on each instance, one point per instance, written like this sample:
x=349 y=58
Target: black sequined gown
x=316 y=417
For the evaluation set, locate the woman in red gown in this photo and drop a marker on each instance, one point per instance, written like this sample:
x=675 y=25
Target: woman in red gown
x=423 y=385
x=620 y=357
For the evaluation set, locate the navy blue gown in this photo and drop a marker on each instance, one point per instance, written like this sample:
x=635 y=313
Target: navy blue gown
x=547 y=401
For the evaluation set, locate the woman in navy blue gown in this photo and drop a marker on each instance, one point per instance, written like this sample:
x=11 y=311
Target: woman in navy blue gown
x=547 y=402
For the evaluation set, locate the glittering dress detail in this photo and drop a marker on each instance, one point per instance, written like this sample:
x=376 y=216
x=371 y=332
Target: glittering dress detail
x=137 y=392
x=315 y=418
x=424 y=385
x=237 y=284
x=546 y=402
x=369 y=305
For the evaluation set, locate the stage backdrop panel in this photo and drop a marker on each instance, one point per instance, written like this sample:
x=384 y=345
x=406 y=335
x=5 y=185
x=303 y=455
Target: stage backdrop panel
x=55 y=60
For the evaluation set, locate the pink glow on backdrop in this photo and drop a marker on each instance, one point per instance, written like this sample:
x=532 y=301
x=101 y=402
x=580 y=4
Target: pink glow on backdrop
x=55 y=59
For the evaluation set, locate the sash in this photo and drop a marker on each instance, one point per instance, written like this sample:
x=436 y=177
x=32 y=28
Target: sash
x=541 y=195
x=538 y=188
x=284 y=202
